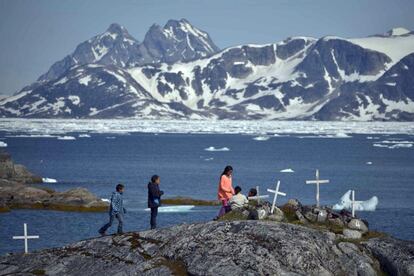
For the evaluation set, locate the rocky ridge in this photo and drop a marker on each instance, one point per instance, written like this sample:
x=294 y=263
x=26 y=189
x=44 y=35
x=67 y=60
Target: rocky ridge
x=17 y=191
x=219 y=248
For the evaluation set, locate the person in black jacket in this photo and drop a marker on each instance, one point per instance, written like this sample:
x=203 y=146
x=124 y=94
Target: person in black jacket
x=154 y=199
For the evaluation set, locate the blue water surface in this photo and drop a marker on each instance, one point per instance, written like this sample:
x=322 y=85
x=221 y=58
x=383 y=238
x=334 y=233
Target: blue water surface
x=186 y=169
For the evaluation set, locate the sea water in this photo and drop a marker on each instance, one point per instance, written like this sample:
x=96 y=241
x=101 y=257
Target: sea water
x=98 y=160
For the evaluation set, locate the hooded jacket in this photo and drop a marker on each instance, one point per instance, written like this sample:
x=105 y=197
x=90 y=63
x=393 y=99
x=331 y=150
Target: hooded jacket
x=154 y=195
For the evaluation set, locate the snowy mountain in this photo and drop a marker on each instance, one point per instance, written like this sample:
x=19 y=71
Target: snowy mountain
x=178 y=72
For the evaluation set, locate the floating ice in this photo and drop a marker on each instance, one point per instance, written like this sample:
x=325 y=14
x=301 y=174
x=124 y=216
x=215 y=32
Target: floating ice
x=110 y=137
x=32 y=136
x=209 y=159
x=217 y=149
x=105 y=200
x=346 y=203
x=84 y=136
x=369 y=163
x=61 y=126
x=174 y=209
x=49 y=180
x=336 y=135
x=261 y=138
x=3 y=144
x=394 y=144
x=287 y=171
x=66 y=138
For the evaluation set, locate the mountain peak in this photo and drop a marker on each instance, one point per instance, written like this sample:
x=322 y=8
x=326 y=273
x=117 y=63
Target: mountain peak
x=116 y=28
x=397 y=31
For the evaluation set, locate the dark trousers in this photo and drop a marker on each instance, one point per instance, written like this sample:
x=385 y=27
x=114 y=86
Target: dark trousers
x=153 y=221
x=120 y=219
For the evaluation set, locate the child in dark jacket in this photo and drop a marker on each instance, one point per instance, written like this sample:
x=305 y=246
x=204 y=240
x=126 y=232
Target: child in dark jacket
x=154 y=199
x=116 y=210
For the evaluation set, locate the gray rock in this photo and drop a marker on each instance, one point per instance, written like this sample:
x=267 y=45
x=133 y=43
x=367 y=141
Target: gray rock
x=15 y=193
x=309 y=215
x=277 y=215
x=322 y=215
x=352 y=234
x=300 y=217
x=395 y=256
x=357 y=224
x=214 y=248
x=15 y=172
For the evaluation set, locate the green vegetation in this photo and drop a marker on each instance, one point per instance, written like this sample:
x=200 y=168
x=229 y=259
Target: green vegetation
x=233 y=215
x=60 y=207
x=189 y=201
x=38 y=272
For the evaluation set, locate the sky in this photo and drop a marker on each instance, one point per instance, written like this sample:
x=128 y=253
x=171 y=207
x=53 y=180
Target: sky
x=35 y=34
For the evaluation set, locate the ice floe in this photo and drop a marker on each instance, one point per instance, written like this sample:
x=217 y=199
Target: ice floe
x=217 y=149
x=3 y=144
x=330 y=129
x=174 y=209
x=84 y=136
x=261 y=138
x=287 y=171
x=66 y=138
x=392 y=144
x=346 y=203
x=48 y=180
x=105 y=200
x=369 y=163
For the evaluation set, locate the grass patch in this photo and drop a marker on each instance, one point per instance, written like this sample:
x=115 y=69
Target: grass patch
x=290 y=213
x=233 y=215
x=189 y=201
x=60 y=207
x=38 y=272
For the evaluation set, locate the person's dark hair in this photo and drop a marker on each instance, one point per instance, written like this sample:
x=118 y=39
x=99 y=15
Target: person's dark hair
x=226 y=170
x=119 y=187
x=237 y=190
x=154 y=178
x=253 y=192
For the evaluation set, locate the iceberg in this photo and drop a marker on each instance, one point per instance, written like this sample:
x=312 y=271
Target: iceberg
x=261 y=138
x=217 y=149
x=287 y=171
x=3 y=144
x=367 y=205
x=66 y=138
x=49 y=180
x=174 y=209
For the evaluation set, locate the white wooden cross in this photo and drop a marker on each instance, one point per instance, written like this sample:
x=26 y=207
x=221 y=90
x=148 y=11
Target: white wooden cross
x=276 y=192
x=353 y=202
x=25 y=238
x=317 y=181
x=258 y=196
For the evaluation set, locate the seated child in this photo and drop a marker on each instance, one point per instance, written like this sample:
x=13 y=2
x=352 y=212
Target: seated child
x=239 y=200
x=252 y=192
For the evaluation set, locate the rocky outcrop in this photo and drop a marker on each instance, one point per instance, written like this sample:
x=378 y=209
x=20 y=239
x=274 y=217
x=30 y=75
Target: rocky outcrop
x=15 y=192
x=396 y=256
x=213 y=248
x=14 y=172
x=15 y=195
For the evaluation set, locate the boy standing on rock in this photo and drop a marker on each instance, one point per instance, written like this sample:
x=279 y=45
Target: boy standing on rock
x=154 y=199
x=116 y=210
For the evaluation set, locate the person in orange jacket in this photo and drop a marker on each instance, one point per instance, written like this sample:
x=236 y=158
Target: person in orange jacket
x=225 y=189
